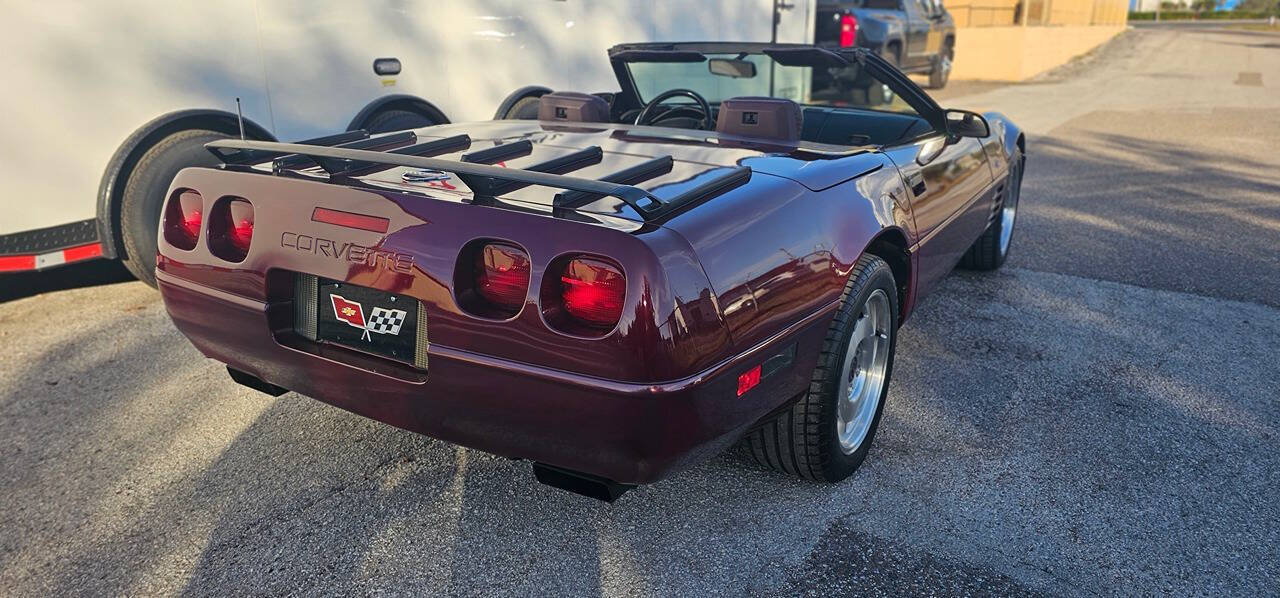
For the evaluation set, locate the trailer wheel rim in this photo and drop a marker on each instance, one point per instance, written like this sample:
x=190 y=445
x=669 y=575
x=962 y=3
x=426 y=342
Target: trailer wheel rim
x=863 y=374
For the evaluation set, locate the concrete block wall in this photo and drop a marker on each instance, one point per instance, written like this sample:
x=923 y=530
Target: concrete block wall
x=1016 y=53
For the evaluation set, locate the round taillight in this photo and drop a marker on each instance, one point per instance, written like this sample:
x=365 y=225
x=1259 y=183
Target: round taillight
x=593 y=291
x=502 y=276
x=183 y=218
x=231 y=229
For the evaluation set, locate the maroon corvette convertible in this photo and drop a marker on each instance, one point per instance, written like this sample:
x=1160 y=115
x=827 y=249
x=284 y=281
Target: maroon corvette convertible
x=721 y=251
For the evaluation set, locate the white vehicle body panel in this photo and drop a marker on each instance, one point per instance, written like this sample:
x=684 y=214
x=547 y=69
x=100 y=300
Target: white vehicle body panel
x=82 y=77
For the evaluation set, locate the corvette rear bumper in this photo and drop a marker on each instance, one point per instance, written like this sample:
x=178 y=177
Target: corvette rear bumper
x=626 y=432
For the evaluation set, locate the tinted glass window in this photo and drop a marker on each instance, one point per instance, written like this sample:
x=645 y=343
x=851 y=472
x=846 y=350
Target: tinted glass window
x=813 y=86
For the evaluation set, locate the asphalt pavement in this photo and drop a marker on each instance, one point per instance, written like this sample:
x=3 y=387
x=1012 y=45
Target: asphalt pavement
x=1100 y=417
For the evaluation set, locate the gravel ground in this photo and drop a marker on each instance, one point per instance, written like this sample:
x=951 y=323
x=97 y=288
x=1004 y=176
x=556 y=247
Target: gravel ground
x=1099 y=418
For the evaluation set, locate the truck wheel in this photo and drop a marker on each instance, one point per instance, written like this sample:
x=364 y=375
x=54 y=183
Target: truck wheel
x=942 y=67
x=825 y=436
x=144 y=194
x=525 y=108
x=396 y=120
x=992 y=248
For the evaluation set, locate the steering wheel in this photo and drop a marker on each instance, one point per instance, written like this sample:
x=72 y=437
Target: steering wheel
x=650 y=110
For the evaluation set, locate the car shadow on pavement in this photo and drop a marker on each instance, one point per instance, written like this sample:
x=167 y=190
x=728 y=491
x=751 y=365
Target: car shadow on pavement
x=74 y=276
x=1040 y=428
x=1100 y=202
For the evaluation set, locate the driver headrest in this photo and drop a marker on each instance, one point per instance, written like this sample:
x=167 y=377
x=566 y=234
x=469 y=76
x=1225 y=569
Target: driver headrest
x=775 y=119
x=571 y=106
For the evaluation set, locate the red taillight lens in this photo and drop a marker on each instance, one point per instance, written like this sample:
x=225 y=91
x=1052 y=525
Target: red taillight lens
x=592 y=291
x=502 y=276
x=231 y=229
x=183 y=218
x=848 y=30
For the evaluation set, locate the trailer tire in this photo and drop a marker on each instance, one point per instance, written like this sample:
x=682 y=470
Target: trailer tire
x=525 y=108
x=144 y=194
x=397 y=120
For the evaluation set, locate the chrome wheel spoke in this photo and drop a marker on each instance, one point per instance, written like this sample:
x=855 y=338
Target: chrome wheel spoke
x=861 y=331
x=862 y=376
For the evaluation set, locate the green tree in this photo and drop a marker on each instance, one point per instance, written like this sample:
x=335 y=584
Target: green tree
x=1264 y=6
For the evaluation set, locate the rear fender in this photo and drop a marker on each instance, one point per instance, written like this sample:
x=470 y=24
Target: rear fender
x=776 y=252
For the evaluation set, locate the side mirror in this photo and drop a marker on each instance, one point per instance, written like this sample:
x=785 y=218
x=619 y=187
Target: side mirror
x=930 y=150
x=962 y=123
x=738 y=69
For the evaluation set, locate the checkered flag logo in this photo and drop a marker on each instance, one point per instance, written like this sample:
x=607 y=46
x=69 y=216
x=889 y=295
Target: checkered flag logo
x=381 y=320
x=386 y=321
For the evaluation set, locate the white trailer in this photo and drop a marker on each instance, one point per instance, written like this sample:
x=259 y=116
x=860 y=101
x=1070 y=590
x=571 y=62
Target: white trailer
x=106 y=101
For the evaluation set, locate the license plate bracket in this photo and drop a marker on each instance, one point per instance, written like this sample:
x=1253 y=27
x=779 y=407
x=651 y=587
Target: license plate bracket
x=367 y=320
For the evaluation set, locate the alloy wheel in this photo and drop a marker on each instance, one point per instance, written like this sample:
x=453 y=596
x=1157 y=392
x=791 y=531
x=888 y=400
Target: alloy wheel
x=864 y=372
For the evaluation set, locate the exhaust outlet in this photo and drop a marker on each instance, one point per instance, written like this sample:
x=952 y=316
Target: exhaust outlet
x=580 y=483
x=256 y=383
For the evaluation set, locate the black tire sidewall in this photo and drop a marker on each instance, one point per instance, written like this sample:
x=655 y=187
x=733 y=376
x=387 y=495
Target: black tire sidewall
x=145 y=191
x=391 y=120
x=525 y=108
x=838 y=465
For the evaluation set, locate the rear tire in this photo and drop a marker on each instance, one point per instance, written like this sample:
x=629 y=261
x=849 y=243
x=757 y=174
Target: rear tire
x=388 y=121
x=991 y=249
x=825 y=436
x=144 y=194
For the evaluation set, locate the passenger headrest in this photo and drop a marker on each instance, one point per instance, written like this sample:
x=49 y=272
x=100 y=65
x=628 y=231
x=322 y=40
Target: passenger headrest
x=775 y=119
x=571 y=106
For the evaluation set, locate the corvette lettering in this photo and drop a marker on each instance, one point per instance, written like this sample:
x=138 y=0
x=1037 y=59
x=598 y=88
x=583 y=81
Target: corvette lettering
x=348 y=252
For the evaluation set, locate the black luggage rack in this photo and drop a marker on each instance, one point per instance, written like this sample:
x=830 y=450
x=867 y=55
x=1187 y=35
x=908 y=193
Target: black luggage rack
x=356 y=153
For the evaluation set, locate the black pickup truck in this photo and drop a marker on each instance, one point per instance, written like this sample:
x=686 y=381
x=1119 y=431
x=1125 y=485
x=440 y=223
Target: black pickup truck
x=916 y=35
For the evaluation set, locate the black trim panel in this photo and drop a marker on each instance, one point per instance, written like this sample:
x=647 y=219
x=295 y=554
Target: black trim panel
x=53 y=238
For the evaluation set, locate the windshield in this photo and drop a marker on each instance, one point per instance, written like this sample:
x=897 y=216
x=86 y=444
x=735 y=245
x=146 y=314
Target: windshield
x=724 y=76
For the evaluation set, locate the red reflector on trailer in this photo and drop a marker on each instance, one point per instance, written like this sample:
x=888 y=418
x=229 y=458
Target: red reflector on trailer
x=17 y=262
x=82 y=252
x=350 y=220
x=748 y=380
x=21 y=263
